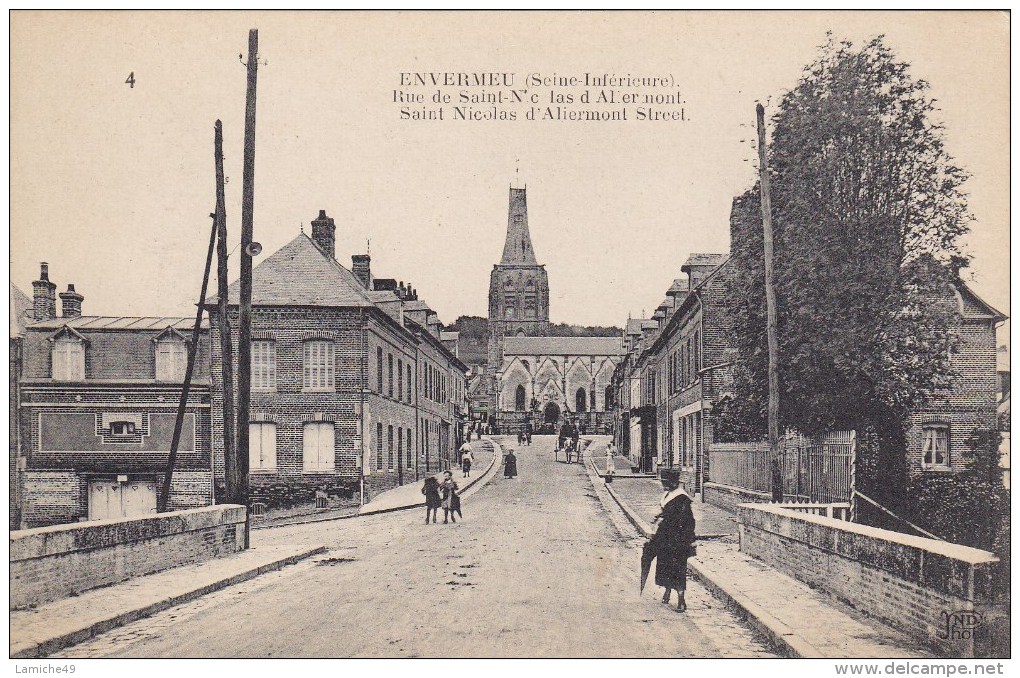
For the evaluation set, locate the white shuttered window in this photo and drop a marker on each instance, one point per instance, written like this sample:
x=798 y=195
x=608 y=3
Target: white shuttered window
x=319 y=365
x=319 y=447
x=69 y=360
x=263 y=365
x=262 y=446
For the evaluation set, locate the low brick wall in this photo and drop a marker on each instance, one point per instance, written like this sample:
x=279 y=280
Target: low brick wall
x=924 y=587
x=729 y=498
x=48 y=563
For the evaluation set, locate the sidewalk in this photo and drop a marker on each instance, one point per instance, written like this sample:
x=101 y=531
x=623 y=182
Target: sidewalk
x=43 y=630
x=410 y=496
x=800 y=621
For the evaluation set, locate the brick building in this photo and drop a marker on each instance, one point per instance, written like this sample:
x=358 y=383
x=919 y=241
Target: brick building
x=677 y=366
x=97 y=406
x=349 y=377
x=940 y=437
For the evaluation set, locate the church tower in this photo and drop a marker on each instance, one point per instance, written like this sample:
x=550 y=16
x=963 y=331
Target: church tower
x=518 y=293
x=518 y=285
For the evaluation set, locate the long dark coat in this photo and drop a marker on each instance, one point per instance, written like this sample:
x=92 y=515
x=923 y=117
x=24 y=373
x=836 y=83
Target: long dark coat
x=431 y=492
x=671 y=543
x=510 y=466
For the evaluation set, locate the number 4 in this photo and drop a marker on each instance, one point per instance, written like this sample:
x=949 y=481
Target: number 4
x=130 y=80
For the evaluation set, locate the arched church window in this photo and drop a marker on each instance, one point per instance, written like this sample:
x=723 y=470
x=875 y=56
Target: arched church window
x=609 y=398
x=581 y=401
x=519 y=398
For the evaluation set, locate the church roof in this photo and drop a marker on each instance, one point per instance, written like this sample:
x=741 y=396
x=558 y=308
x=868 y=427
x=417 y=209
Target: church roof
x=300 y=274
x=575 y=346
x=518 y=249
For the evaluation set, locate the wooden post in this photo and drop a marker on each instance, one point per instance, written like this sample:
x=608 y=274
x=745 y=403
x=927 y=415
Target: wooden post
x=770 y=311
x=240 y=489
x=226 y=342
x=171 y=461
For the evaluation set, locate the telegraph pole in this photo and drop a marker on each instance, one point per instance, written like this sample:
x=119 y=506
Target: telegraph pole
x=240 y=494
x=770 y=311
x=226 y=342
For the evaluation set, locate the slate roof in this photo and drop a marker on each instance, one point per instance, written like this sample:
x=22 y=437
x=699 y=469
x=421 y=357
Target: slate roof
x=102 y=322
x=636 y=325
x=300 y=274
x=703 y=259
x=563 y=346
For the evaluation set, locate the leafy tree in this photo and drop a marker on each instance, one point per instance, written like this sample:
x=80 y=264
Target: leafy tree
x=868 y=210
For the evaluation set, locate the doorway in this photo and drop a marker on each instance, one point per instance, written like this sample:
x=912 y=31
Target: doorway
x=109 y=499
x=551 y=414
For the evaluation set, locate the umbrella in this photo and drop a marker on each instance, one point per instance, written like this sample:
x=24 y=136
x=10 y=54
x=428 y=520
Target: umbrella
x=647 y=556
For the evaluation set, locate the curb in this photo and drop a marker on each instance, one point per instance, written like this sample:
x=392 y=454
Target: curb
x=788 y=642
x=51 y=645
x=497 y=453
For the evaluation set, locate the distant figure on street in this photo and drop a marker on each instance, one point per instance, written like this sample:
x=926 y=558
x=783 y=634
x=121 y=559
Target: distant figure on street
x=672 y=544
x=528 y=430
x=510 y=465
x=451 y=500
x=610 y=462
x=564 y=434
x=466 y=458
x=432 y=499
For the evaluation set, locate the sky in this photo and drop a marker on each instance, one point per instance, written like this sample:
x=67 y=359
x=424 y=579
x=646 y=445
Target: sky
x=113 y=184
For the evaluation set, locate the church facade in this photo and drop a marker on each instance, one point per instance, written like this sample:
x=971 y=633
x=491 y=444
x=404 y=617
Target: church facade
x=533 y=378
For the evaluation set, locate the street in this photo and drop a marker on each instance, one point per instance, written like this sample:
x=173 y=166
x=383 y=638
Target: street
x=538 y=567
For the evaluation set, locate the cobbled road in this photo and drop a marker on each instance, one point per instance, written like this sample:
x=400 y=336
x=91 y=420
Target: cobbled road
x=538 y=567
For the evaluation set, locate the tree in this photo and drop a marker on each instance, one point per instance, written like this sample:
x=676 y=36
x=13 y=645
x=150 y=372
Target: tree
x=868 y=210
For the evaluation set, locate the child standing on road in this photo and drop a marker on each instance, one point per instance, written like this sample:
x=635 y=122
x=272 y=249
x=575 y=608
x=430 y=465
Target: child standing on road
x=451 y=500
x=432 y=499
x=466 y=459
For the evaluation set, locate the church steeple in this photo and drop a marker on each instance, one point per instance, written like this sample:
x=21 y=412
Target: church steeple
x=518 y=249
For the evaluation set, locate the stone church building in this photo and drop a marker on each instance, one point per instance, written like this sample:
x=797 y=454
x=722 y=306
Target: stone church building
x=532 y=377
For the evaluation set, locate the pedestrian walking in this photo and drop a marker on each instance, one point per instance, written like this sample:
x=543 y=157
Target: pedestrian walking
x=672 y=544
x=451 y=500
x=510 y=465
x=610 y=462
x=432 y=499
x=466 y=459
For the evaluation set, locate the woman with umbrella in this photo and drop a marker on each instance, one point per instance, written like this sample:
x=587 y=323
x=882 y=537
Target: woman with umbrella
x=672 y=544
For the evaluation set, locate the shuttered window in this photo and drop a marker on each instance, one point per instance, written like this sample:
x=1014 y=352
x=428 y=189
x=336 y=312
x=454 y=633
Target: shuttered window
x=262 y=446
x=319 y=449
x=319 y=365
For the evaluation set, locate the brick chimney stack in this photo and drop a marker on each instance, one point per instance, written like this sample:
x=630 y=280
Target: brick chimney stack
x=324 y=234
x=70 y=302
x=44 y=295
x=361 y=266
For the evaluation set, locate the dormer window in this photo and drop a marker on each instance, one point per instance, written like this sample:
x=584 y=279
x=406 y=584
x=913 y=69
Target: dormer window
x=69 y=358
x=171 y=358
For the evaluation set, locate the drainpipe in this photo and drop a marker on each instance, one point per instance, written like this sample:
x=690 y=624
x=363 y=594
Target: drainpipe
x=361 y=396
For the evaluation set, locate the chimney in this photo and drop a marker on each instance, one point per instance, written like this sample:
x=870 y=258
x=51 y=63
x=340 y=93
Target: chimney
x=44 y=294
x=361 y=266
x=70 y=302
x=324 y=234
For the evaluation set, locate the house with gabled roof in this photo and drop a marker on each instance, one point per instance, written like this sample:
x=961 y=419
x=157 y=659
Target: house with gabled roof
x=340 y=364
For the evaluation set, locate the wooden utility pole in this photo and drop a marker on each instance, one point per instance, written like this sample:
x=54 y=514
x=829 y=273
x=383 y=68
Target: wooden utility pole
x=226 y=342
x=240 y=490
x=171 y=461
x=770 y=313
